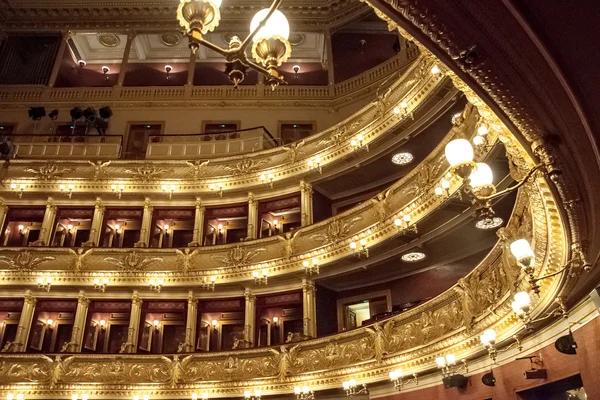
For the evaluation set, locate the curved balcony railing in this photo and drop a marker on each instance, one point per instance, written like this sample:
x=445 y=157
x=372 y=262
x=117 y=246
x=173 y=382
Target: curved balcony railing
x=67 y=146
x=211 y=144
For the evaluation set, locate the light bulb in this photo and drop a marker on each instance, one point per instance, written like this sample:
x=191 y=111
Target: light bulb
x=482 y=130
x=396 y=110
x=478 y=140
x=69 y=227
x=102 y=322
x=166 y=227
x=50 y=322
x=213 y=278
x=277 y=25
x=398 y=221
x=522 y=299
x=435 y=70
x=459 y=151
x=352 y=246
x=297 y=389
x=441 y=362
x=315 y=261
x=346 y=385
x=156 y=322
x=522 y=251
x=215 y=322
x=450 y=359
x=363 y=242
x=482 y=175
x=275 y=320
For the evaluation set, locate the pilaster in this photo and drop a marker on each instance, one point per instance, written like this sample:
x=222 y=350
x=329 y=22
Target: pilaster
x=306 y=203
x=252 y=216
x=48 y=222
x=198 y=224
x=309 y=311
x=190 y=325
x=146 y=224
x=19 y=345
x=96 y=228
x=249 y=318
x=134 y=324
x=74 y=346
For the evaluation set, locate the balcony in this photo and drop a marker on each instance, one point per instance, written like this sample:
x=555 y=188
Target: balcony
x=65 y=147
x=210 y=145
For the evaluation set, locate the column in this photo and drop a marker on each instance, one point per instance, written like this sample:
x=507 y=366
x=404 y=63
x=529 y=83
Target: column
x=3 y=211
x=146 y=224
x=97 y=220
x=249 y=318
x=190 y=325
x=309 y=310
x=306 y=203
x=330 y=72
x=20 y=343
x=134 y=324
x=191 y=69
x=74 y=346
x=58 y=60
x=125 y=61
x=48 y=222
x=252 y=216
x=198 y=224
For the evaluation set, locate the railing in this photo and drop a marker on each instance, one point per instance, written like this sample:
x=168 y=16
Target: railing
x=68 y=146
x=211 y=144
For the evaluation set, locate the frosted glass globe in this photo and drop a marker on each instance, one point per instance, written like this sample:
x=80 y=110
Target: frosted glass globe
x=277 y=25
x=459 y=151
x=522 y=299
x=521 y=249
x=482 y=175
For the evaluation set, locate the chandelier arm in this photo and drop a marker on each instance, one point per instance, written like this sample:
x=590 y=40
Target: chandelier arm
x=214 y=47
x=246 y=42
x=264 y=71
x=518 y=185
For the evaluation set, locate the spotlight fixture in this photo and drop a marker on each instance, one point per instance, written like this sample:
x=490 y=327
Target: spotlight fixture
x=414 y=256
x=100 y=284
x=248 y=395
x=81 y=63
x=156 y=284
x=311 y=267
x=37 y=113
x=451 y=372
x=118 y=190
x=351 y=388
x=269 y=34
x=216 y=187
x=315 y=163
x=169 y=189
x=261 y=278
x=403 y=158
x=44 y=283
x=397 y=375
x=168 y=70
x=18 y=189
x=566 y=344
x=209 y=283
x=76 y=113
x=489 y=379
x=363 y=250
x=53 y=114
x=105 y=71
x=403 y=224
x=304 y=393
x=67 y=189
x=105 y=112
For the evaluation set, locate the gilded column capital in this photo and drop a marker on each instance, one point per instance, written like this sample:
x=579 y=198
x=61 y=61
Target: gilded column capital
x=199 y=204
x=99 y=205
x=148 y=205
x=29 y=298
x=306 y=187
x=249 y=296
x=50 y=204
x=136 y=300
x=308 y=285
x=252 y=199
x=82 y=298
x=192 y=300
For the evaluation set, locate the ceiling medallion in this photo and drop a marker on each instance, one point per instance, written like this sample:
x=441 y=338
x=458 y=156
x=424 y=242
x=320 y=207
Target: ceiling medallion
x=402 y=158
x=109 y=39
x=170 y=39
x=489 y=223
x=414 y=256
x=296 y=39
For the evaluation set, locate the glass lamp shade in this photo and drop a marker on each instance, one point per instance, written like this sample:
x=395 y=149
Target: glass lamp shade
x=482 y=175
x=522 y=250
x=522 y=299
x=459 y=151
x=488 y=336
x=277 y=25
x=441 y=362
x=199 y=15
x=450 y=359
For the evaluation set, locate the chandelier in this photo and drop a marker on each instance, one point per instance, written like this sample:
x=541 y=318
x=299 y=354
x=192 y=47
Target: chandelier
x=269 y=32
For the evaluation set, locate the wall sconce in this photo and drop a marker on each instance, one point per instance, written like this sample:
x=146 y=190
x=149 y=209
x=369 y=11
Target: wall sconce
x=304 y=393
x=488 y=340
x=22 y=229
x=268 y=178
x=166 y=229
x=100 y=284
x=311 y=267
x=350 y=387
x=209 y=283
x=118 y=190
x=220 y=229
x=169 y=190
x=44 y=283
x=117 y=228
x=451 y=373
x=358 y=142
x=18 y=189
x=443 y=189
x=156 y=284
x=275 y=321
x=262 y=278
x=156 y=324
x=316 y=164
x=215 y=324
x=363 y=250
x=102 y=324
x=168 y=70
x=402 y=110
x=276 y=225
x=218 y=187
x=296 y=69
x=403 y=224
x=50 y=323
x=397 y=377
x=252 y=396
x=69 y=228
x=435 y=70
x=68 y=189
x=105 y=71
x=521 y=305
